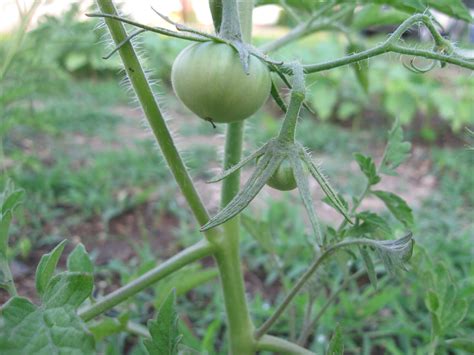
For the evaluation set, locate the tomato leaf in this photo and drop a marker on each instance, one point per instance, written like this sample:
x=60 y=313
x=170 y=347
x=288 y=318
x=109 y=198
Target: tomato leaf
x=336 y=345
x=369 y=266
x=47 y=266
x=78 y=260
x=396 y=152
x=367 y=166
x=372 y=224
x=164 y=332
x=54 y=327
x=10 y=198
x=397 y=206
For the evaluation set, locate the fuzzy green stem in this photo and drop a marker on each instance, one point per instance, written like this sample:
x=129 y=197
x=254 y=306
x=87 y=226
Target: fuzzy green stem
x=153 y=114
x=281 y=346
x=227 y=254
x=311 y=327
x=288 y=128
x=390 y=45
x=198 y=251
x=230 y=28
x=302 y=281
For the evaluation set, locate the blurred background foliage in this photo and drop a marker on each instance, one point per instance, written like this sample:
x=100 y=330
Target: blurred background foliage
x=74 y=140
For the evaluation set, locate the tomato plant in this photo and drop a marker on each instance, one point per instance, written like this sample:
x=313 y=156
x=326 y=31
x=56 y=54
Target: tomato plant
x=224 y=79
x=210 y=80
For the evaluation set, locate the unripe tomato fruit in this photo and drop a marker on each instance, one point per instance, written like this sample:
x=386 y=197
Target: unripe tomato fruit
x=210 y=80
x=283 y=178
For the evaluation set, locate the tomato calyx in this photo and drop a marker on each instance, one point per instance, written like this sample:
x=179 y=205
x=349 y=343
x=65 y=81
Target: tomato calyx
x=283 y=149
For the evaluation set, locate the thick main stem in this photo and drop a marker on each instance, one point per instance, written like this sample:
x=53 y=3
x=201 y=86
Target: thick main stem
x=227 y=254
x=150 y=107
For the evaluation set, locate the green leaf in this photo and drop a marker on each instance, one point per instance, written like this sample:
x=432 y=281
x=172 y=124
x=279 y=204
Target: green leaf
x=369 y=266
x=373 y=225
x=336 y=345
x=397 y=206
x=210 y=337
x=393 y=253
x=164 y=330
x=78 y=260
x=454 y=8
x=68 y=289
x=10 y=198
x=377 y=15
x=5 y=220
x=105 y=327
x=367 y=166
x=361 y=68
x=47 y=266
x=461 y=344
x=54 y=327
x=432 y=301
x=396 y=152
x=456 y=314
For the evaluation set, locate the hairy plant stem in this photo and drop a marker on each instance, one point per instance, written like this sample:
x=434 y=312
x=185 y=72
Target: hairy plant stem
x=311 y=327
x=301 y=282
x=150 y=107
x=390 y=45
x=227 y=253
x=183 y=258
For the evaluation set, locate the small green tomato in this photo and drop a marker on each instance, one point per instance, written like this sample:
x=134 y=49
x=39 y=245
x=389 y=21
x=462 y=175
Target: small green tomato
x=210 y=80
x=283 y=178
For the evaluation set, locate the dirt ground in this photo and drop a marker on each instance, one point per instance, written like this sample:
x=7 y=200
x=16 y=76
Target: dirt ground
x=112 y=240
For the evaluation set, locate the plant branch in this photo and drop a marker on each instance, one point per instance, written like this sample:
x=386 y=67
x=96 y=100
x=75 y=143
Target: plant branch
x=159 y=30
x=306 y=332
x=153 y=114
x=390 y=45
x=193 y=253
x=302 y=280
x=278 y=345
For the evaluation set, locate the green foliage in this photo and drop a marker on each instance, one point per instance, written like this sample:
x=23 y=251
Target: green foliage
x=53 y=327
x=47 y=266
x=336 y=346
x=164 y=332
x=396 y=152
x=367 y=166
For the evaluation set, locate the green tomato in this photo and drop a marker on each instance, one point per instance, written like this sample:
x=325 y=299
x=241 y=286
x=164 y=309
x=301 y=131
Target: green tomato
x=210 y=80
x=283 y=178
